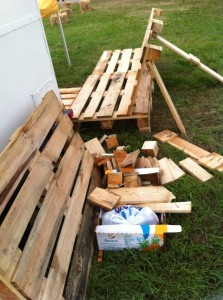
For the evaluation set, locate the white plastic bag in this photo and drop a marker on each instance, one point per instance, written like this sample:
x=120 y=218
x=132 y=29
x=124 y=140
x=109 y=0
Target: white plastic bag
x=130 y=215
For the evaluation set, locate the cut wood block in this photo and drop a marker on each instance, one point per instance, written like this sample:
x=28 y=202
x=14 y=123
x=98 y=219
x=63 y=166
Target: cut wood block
x=94 y=147
x=154 y=52
x=170 y=171
x=157 y=26
x=212 y=161
x=195 y=170
x=150 y=175
x=130 y=158
x=141 y=162
x=106 y=124
x=144 y=125
x=173 y=207
x=119 y=157
x=103 y=198
x=114 y=180
x=150 y=148
x=140 y=195
x=111 y=141
x=98 y=161
x=165 y=135
x=132 y=180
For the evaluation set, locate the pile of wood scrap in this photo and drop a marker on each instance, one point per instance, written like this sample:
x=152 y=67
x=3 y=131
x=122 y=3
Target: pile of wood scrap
x=198 y=159
x=133 y=180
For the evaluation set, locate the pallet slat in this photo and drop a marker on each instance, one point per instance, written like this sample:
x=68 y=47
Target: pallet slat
x=113 y=62
x=102 y=63
x=125 y=60
x=56 y=280
x=109 y=102
x=83 y=95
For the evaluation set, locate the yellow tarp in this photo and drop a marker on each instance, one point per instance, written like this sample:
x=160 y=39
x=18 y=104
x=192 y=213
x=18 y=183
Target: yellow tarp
x=47 y=7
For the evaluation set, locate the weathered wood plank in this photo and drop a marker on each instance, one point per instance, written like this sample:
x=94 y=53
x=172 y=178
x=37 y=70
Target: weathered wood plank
x=109 y=102
x=32 y=266
x=125 y=60
x=97 y=96
x=195 y=170
x=60 y=264
x=136 y=64
x=170 y=171
x=140 y=195
x=56 y=143
x=81 y=260
x=130 y=158
x=11 y=230
x=126 y=99
x=173 y=207
x=113 y=62
x=84 y=95
x=102 y=63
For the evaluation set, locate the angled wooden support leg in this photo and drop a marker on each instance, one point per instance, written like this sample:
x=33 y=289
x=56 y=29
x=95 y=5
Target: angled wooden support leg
x=167 y=97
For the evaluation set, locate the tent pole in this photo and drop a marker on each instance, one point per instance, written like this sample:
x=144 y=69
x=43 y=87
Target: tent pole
x=63 y=38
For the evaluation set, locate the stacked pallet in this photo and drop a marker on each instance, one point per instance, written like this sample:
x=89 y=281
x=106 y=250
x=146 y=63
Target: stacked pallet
x=45 y=176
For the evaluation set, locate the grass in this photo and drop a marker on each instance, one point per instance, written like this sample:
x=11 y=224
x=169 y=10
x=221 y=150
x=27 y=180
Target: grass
x=191 y=265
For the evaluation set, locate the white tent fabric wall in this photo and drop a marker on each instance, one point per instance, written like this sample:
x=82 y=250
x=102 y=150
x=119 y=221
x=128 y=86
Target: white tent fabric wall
x=26 y=68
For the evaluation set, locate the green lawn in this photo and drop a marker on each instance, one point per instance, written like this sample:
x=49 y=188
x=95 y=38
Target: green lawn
x=191 y=267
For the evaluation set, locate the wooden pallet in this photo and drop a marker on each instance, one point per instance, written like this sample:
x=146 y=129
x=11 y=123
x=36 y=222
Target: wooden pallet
x=45 y=175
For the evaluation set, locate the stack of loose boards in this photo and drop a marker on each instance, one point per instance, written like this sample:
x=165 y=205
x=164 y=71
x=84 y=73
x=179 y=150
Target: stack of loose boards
x=133 y=180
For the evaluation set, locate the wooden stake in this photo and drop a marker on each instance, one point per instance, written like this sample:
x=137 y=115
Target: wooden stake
x=167 y=98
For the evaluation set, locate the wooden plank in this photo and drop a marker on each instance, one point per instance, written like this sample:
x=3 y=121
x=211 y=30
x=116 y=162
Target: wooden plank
x=97 y=96
x=106 y=119
x=140 y=195
x=30 y=271
x=68 y=96
x=167 y=98
x=125 y=60
x=165 y=136
x=188 y=148
x=130 y=158
x=15 y=158
x=189 y=57
x=102 y=63
x=11 y=230
x=126 y=99
x=170 y=171
x=80 y=264
x=84 y=95
x=143 y=93
x=195 y=170
x=148 y=29
x=109 y=102
x=103 y=198
x=173 y=207
x=213 y=161
x=72 y=90
x=113 y=62
x=94 y=146
x=136 y=64
x=60 y=264
x=56 y=143
x=119 y=157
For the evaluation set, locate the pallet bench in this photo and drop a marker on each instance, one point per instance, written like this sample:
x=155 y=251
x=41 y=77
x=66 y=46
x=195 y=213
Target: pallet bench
x=46 y=229
x=120 y=86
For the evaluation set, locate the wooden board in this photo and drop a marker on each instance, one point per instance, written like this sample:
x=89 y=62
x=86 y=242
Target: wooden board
x=119 y=157
x=125 y=60
x=170 y=171
x=140 y=195
x=173 y=207
x=212 y=161
x=102 y=63
x=104 y=198
x=165 y=136
x=83 y=95
x=130 y=158
x=114 y=180
x=195 y=170
x=94 y=147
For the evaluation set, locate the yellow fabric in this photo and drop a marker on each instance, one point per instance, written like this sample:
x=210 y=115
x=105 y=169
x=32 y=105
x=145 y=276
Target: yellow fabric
x=47 y=7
